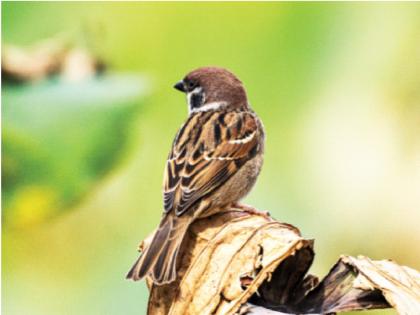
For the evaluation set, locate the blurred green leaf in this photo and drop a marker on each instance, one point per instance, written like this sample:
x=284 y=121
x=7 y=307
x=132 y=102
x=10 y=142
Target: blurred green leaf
x=63 y=138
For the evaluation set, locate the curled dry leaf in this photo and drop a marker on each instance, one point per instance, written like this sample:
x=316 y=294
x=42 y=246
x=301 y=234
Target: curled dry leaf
x=240 y=263
x=399 y=285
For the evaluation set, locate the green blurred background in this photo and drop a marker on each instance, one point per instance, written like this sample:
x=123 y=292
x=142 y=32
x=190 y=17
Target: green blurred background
x=336 y=85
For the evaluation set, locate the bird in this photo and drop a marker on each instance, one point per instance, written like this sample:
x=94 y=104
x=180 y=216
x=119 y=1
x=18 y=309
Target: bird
x=214 y=161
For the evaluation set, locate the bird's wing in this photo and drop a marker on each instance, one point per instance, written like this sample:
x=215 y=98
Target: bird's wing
x=208 y=150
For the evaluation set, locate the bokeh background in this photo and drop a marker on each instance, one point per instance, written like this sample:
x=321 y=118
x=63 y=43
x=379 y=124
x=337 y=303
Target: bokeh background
x=336 y=85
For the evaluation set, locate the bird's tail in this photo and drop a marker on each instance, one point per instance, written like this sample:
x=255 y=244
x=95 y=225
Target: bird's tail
x=160 y=258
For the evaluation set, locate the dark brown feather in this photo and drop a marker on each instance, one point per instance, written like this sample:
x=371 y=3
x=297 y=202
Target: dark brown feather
x=159 y=259
x=212 y=159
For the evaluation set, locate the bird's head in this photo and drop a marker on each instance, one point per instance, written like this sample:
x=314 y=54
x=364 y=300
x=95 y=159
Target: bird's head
x=211 y=88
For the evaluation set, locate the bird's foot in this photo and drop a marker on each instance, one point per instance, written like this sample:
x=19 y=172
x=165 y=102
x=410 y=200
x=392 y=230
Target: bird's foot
x=251 y=210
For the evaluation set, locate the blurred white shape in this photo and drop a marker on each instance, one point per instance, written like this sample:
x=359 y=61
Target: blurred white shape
x=78 y=65
x=32 y=63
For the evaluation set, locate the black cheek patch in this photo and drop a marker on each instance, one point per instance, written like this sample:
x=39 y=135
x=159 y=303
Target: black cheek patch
x=196 y=100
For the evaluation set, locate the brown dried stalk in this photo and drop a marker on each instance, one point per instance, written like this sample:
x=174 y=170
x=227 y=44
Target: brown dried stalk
x=237 y=263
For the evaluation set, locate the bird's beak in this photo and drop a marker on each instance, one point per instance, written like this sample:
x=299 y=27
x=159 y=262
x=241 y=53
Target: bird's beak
x=180 y=86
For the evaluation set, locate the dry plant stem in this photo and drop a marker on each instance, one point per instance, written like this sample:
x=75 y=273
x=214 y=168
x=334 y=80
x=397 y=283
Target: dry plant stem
x=241 y=262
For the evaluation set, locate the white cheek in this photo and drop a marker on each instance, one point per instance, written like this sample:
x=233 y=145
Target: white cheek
x=189 y=101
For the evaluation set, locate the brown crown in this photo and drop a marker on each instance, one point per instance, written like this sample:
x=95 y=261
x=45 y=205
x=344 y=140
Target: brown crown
x=220 y=85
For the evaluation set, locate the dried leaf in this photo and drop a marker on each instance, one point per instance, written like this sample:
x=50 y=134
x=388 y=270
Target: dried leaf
x=238 y=263
x=219 y=251
x=400 y=285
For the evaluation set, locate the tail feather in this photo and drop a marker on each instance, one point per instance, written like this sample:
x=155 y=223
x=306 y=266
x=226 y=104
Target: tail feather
x=164 y=270
x=160 y=258
x=144 y=263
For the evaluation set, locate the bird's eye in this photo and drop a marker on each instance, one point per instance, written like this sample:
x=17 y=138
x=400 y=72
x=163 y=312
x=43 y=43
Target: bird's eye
x=191 y=85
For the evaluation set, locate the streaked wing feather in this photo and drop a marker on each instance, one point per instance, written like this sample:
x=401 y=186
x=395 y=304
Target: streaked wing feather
x=216 y=151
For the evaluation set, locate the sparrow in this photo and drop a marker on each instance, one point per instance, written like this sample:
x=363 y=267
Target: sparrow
x=214 y=162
